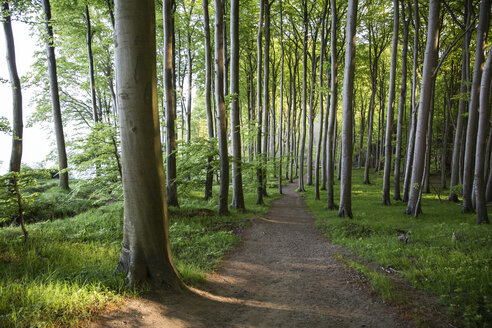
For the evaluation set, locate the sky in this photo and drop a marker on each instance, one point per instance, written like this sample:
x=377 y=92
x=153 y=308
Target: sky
x=37 y=142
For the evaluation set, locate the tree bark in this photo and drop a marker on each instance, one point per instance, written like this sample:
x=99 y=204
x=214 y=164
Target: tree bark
x=259 y=160
x=221 y=107
x=266 y=100
x=170 y=102
x=345 y=209
x=146 y=253
x=330 y=153
x=89 y=34
x=483 y=127
x=280 y=132
x=302 y=150
x=401 y=102
x=424 y=104
x=237 y=176
x=55 y=98
x=391 y=107
x=208 y=101
x=471 y=130
x=17 y=124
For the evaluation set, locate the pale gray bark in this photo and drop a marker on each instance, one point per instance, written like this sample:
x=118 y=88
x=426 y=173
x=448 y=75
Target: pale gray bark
x=302 y=150
x=170 y=102
x=221 y=107
x=237 y=176
x=281 y=119
x=146 y=253
x=424 y=104
x=259 y=171
x=483 y=127
x=401 y=103
x=17 y=124
x=55 y=98
x=89 y=35
x=391 y=106
x=471 y=130
x=266 y=100
x=345 y=209
x=330 y=153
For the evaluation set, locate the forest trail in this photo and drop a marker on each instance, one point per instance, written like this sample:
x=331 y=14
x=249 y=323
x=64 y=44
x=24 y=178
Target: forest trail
x=283 y=274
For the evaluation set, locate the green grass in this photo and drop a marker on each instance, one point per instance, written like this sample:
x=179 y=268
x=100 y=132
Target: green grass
x=65 y=273
x=458 y=271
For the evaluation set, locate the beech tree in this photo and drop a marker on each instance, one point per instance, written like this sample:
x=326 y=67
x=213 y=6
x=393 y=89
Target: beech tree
x=345 y=209
x=146 y=253
x=17 y=124
x=424 y=107
x=55 y=98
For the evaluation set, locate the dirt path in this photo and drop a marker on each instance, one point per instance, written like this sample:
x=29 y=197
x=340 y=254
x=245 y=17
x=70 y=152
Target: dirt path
x=283 y=274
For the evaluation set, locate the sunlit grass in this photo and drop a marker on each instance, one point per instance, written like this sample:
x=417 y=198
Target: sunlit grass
x=458 y=270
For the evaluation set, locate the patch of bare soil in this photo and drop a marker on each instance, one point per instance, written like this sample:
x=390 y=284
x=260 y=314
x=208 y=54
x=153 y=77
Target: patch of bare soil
x=283 y=274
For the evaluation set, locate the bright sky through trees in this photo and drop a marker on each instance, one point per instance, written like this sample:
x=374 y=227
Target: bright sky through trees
x=37 y=142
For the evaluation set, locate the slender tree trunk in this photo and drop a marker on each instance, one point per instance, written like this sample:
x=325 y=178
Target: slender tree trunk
x=237 y=176
x=208 y=103
x=345 y=209
x=304 y=99
x=89 y=35
x=401 y=103
x=190 y=89
x=444 y=147
x=17 y=124
x=146 y=253
x=259 y=160
x=55 y=98
x=330 y=153
x=413 y=114
x=471 y=131
x=221 y=107
x=280 y=132
x=424 y=104
x=266 y=100
x=170 y=102
x=391 y=107
x=311 y=113
x=324 y=164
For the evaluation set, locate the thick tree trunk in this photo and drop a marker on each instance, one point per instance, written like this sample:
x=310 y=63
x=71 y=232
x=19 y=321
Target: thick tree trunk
x=146 y=253
x=208 y=103
x=483 y=127
x=330 y=153
x=471 y=130
x=170 y=102
x=401 y=102
x=17 y=124
x=259 y=160
x=391 y=107
x=237 y=175
x=55 y=98
x=424 y=104
x=345 y=209
x=221 y=107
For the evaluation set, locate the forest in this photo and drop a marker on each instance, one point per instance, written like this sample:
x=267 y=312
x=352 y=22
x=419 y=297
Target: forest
x=249 y=163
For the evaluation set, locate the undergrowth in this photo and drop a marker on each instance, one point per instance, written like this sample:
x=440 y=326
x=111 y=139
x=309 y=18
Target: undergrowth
x=457 y=269
x=65 y=273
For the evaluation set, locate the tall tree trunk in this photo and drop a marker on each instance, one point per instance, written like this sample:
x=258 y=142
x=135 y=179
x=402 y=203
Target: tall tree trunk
x=401 y=102
x=170 y=101
x=391 y=107
x=330 y=153
x=312 y=115
x=17 y=125
x=237 y=175
x=208 y=103
x=281 y=118
x=304 y=98
x=55 y=98
x=190 y=89
x=89 y=34
x=483 y=127
x=413 y=114
x=221 y=107
x=471 y=130
x=259 y=160
x=266 y=100
x=444 y=147
x=424 y=104
x=146 y=253
x=324 y=164
x=345 y=209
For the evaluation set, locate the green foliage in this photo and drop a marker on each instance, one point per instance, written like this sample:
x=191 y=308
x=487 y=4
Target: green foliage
x=5 y=125
x=9 y=205
x=447 y=254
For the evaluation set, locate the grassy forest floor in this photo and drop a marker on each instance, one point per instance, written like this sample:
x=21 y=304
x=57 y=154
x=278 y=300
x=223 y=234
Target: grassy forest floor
x=64 y=275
